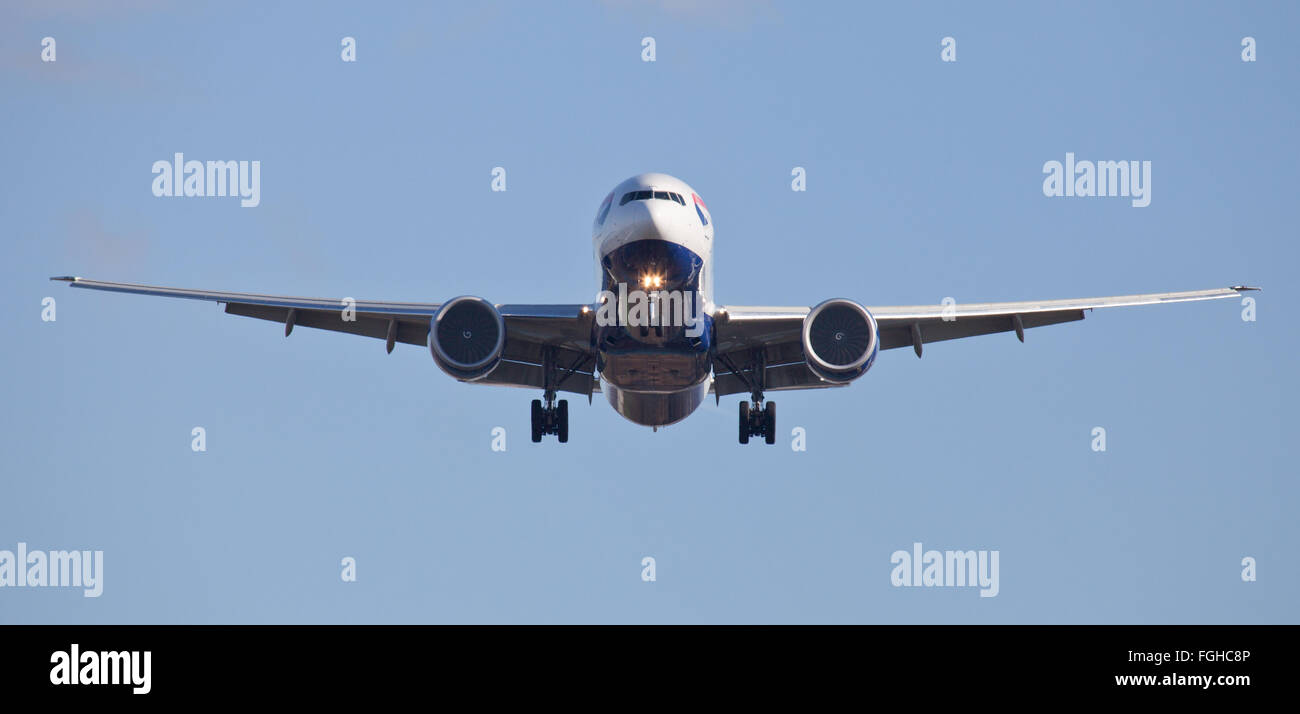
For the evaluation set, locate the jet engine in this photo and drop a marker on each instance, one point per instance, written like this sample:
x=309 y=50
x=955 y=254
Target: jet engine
x=840 y=340
x=466 y=337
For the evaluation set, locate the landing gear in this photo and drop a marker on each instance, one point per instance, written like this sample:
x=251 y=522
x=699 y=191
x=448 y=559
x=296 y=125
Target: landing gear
x=755 y=419
x=538 y=420
x=551 y=419
x=758 y=421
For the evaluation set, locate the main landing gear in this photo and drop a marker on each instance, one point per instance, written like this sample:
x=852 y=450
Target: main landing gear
x=758 y=421
x=553 y=417
x=755 y=419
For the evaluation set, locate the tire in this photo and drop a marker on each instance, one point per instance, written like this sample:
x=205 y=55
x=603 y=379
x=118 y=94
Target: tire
x=744 y=422
x=537 y=420
x=562 y=415
x=769 y=423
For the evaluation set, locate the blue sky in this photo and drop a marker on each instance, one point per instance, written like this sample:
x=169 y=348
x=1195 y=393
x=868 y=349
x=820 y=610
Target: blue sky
x=923 y=181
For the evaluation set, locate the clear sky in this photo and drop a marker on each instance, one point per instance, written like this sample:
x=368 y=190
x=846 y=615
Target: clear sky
x=924 y=181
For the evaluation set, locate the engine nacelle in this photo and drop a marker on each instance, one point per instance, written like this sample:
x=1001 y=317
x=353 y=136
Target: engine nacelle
x=466 y=337
x=840 y=340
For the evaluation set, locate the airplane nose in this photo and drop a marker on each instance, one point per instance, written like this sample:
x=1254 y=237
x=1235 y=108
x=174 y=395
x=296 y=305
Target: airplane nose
x=655 y=219
x=646 y=220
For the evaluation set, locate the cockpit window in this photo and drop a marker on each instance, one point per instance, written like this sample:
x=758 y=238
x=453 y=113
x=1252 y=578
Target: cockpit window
x=650 y=195
x=604 y=208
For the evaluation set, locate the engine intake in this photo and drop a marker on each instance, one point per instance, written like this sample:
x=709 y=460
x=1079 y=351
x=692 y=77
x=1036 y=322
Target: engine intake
x=840 y=340
x=467 y=337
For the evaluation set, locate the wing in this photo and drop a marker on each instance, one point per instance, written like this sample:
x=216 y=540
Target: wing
x=776 y=331
x=532 y=331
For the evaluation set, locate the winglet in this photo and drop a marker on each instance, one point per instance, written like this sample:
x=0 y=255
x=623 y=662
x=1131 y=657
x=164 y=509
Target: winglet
x=66 y=278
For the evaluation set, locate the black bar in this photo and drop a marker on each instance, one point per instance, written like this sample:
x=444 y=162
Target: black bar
x=922 y=664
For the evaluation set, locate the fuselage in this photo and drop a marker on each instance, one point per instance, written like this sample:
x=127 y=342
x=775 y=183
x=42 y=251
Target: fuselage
x=653 y=240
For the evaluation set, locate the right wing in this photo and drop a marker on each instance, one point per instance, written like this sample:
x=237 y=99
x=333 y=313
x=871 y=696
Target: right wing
x=531 y=330
x=777 y=331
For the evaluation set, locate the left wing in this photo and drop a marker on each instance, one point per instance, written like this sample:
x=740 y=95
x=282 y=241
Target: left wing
x=531 y=330
x=776 y=331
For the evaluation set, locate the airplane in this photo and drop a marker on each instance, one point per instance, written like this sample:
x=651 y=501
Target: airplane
x=655 y=358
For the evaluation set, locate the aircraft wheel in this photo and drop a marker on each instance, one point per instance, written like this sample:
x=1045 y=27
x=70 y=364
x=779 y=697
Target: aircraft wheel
x=537 y=420
x=769 y=423
x=562 y=420
x=744 y=422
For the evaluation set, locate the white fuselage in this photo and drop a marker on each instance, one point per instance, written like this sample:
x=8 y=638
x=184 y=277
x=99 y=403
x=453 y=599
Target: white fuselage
x=653 y=234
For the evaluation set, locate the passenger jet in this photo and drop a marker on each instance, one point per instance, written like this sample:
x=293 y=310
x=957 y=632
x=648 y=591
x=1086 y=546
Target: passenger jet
x=654 y=342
